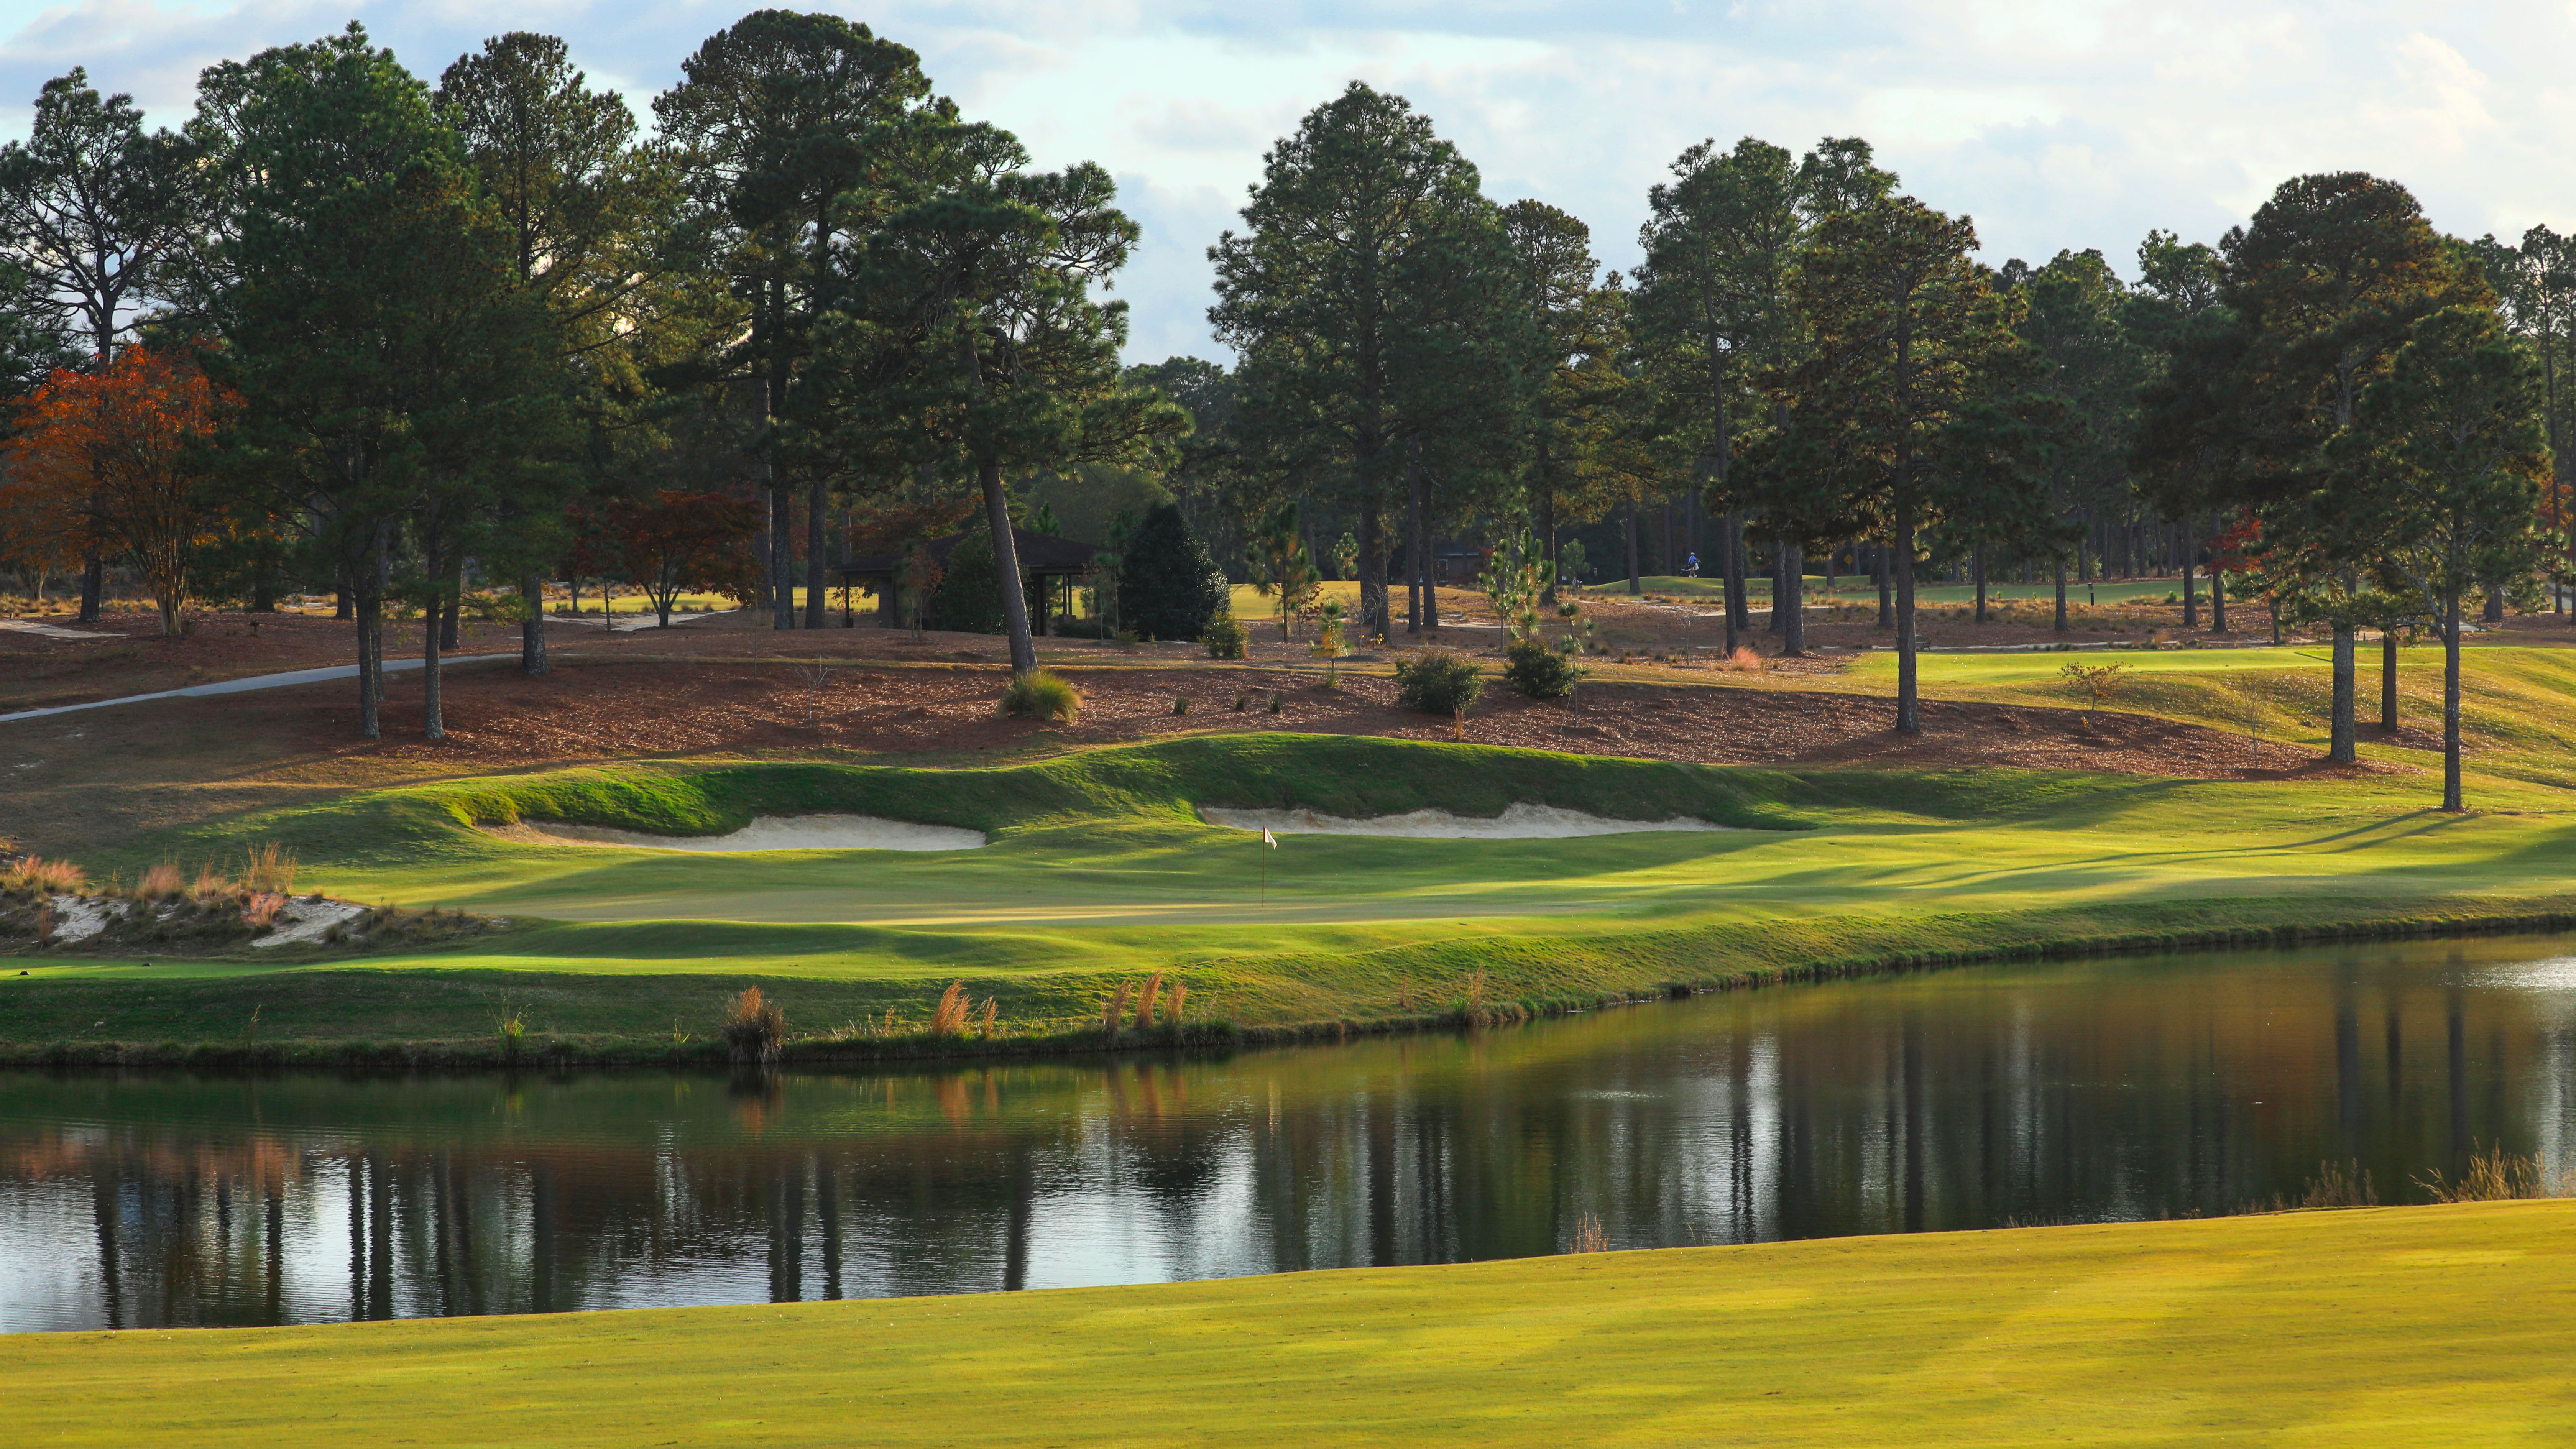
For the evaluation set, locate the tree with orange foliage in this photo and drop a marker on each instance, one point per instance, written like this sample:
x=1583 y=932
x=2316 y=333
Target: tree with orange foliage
x=121 y=449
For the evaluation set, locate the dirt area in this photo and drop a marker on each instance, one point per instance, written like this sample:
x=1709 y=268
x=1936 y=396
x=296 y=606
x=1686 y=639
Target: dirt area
x=602 y=708
x=38 y=670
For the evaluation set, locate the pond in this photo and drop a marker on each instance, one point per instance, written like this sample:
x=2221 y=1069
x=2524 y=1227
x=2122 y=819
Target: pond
x=2129 y=1088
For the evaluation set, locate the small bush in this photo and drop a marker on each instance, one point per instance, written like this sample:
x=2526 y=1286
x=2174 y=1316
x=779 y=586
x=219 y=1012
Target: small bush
x=1242 y=700
x=1223 y=635
x=1278 y=702
x=1538 y=671
x=1438 y=681
x=1040 y=695
x=1180 y=704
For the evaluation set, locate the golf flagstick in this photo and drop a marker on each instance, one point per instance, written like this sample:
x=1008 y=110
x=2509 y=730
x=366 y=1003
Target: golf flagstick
x=1269 y=843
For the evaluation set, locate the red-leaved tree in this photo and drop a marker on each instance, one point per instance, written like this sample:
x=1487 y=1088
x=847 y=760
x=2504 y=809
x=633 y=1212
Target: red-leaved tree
x=687 y=543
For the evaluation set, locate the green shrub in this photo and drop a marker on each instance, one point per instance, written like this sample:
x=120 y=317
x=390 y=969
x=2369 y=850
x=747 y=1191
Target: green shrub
x=1438 y=681
x=969 y=599
x=1167 y=585
x=1539 y=671
x=1040 y=695
x=1223 y=635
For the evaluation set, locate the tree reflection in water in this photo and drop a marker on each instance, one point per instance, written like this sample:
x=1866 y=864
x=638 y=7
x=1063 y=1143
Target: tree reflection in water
x=2109 y=1090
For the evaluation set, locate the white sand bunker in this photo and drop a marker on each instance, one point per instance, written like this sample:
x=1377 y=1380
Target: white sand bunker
x=1517 y=822
x=769 y=832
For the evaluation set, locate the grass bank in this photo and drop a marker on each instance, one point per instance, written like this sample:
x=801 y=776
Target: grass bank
x=2402 y=1325
x=1099 y=872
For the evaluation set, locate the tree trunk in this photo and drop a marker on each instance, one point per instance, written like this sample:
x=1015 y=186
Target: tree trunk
x=93 y=586
x=2339 y=747
x=817 y=593
x=1730 y=542
x=1886 y=598
x=1547 y=546
x=1793 y=577
x=1417 y=547
x=2190 y=600
x=371 y=677
x=782 y=546
x=2494 y=611
x=2060 y=624
x=451 y=613
x=1634 y=587
x=1909 y=709
x=2388 y=680
x=2451 y=701
x=1779 y=557
x=532 y=630
x=1006 y=567
x=346 y=607
x=1977 y=571
x=1373 y=612
x=433 y=721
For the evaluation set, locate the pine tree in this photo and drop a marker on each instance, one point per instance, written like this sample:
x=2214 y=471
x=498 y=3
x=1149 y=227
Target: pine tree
x=1167 y=585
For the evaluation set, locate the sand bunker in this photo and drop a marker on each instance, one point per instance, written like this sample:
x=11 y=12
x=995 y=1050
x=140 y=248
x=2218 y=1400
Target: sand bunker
x=1517 y=822
x=769 y=832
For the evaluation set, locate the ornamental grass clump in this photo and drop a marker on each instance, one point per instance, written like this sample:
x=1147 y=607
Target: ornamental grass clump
x=948 y=1018
x=160 y=881
x=1113 y=1012
x=34 y=873
x=1438 y=681
x=754 y=1027
x=1145 y=1001
x=1041 y=696
x=271 y=868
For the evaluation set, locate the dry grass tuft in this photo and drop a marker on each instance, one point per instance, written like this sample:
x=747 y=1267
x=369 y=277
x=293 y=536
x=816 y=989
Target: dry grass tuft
x=2495 y=1177
x=754 y=1027
x=1113 y=1012
x=37 y=873
x=1173 y=1005
x=992 y=1029
x=1589 y=1236
x=271 y=867
x=948 y=1018
x=1744 y=660
x=1145 y=1001
x=261 y=908
x=210 y=883
x=161 y=880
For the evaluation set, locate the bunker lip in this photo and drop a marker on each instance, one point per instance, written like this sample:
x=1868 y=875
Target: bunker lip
x=1517 y=822
x=767 y=832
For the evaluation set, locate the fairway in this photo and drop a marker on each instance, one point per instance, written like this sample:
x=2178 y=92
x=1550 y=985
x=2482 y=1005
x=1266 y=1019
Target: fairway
x=2439 y=1325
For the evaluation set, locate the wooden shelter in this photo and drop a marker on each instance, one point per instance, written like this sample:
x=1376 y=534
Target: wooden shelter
x=1049 y=569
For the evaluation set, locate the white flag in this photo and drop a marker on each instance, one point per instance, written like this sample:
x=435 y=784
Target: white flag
x=1270 y=840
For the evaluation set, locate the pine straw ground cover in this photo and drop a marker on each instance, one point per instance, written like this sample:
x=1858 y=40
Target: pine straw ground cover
x=2430 y=1325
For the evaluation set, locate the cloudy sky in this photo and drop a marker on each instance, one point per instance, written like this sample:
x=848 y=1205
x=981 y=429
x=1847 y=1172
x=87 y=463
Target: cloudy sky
x=2080 y=123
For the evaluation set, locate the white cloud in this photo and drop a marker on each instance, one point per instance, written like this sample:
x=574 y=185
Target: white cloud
x=2077 y=123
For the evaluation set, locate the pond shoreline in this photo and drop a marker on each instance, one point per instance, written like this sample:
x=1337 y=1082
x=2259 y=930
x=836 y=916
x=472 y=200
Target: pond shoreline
x=573 y=1052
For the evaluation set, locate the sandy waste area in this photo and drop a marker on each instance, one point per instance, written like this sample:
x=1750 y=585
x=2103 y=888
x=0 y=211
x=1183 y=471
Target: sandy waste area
x=1517 y=822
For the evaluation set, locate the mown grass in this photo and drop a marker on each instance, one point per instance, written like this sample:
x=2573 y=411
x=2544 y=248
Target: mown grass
x=1100 y=873
x=2440 y=1325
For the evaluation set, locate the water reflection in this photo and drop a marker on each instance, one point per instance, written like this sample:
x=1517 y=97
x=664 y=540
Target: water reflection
x=2124 y=1089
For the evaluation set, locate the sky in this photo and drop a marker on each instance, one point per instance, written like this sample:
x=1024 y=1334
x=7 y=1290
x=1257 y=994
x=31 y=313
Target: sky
x=2067 y=125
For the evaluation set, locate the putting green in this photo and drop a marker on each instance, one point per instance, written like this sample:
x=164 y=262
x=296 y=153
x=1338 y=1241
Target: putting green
x=2443 y=1325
